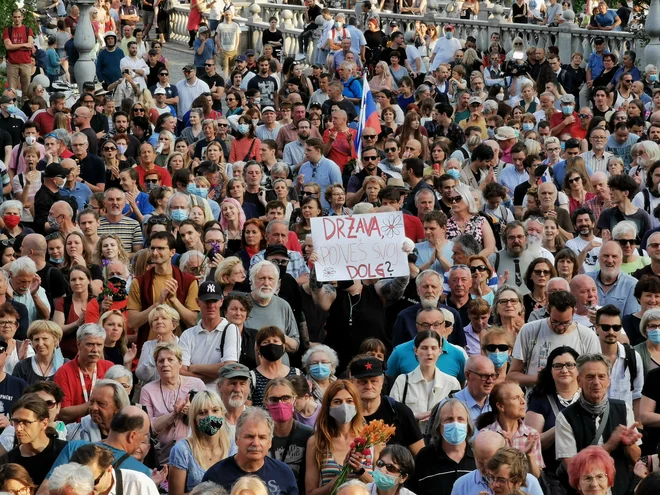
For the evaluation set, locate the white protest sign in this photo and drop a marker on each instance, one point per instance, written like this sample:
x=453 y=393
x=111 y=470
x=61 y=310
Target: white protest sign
x=360 y=246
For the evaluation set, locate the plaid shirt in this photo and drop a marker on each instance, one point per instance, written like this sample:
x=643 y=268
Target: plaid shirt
x=520 y=438
x=597 y=206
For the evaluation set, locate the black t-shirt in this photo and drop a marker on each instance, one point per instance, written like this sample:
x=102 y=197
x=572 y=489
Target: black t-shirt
x=253 y=198
x=611 y=216
x=631 y=326
x=11 y=388
x=344 y=104
x=652 y=391
x=13 y=126
x=277 y=36
x=37 y=465
x=152 y=77
x=99 y=122
x=395 y=413
x=5 y=140
x=312 y=13
x=93 y=148
x=387 y=53
x=520 y=192
x=53 y=283
x=114 y=354
x=203 y=143
x=217 y=81
x=296 y=445
x=92 y=169
x=267 y=87
x=599 y=113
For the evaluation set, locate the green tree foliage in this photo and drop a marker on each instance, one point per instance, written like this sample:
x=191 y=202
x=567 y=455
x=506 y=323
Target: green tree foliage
x=6 y=8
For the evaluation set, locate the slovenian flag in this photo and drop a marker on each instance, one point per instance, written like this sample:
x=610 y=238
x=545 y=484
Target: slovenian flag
x=368 y=115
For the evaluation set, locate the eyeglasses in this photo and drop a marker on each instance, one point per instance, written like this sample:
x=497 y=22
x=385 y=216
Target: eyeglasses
x=51 y=403
x=164 y=74
x=505 y=302
x=21 y=491
x=100 y=477
x=492 y=480
x=158 y=219
x=455 y=199
x=626 y=242
x=560 y=366
x=560 y=324
x=141 y=110
x=220 y=124
x=486 y=376
x=552 y=150
x=7 y=242
x=480 y=268
x=391 y=468
x=542 y=273
x=600 y=478
x=7 y=323
x=584 y=115
x=606 y=328
x=369 y=158
x=22 y=422
x=285 y=399
x=279 y=262
x=151 y=181
x=627 y=80
x=435 y=325
x=390 y=150
x=497 y=347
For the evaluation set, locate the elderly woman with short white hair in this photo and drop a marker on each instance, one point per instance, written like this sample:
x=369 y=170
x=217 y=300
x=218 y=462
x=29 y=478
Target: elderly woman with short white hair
x=11 y=213
x=626 y=234
x=465 y=219
x=163 y=320
x=45 y=337
x=320 y=364
x=194 y=263
x=121 y=375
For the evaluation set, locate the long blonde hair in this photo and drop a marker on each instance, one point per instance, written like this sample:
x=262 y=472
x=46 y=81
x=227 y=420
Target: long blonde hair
x=206 y=400
x=121 y=252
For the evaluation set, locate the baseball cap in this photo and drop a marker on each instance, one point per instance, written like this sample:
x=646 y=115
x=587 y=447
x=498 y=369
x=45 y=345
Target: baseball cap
x=267 y=109
x=189 y=67
x=294 y=80
x=109 y=33
x=567 y=98
x=250 y=52
x=4 y=99
x=209 y=291
x=160 y=91
x=89 y=85
x=474 y=99
x=202 y=29
x=241 y=58
x=449 y=27
x=234 y=370
x=599 y=40
x=393 y=23
x=55 y=170
x=276 y=249
x=366 y=367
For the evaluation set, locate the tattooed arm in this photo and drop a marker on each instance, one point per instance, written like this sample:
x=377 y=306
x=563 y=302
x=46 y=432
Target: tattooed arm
x=391 y=290
x=325 y=294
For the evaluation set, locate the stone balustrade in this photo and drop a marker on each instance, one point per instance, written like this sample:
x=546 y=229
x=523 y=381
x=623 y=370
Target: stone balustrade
x=568 y=37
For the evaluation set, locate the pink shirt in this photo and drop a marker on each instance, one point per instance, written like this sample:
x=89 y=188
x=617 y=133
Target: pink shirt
x=16 y=161
x=159 y=401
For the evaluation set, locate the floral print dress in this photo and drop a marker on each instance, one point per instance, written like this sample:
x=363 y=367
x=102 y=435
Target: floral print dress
x=474 y=227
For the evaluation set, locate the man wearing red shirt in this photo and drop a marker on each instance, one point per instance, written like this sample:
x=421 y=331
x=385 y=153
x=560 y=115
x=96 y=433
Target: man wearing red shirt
x=339 y=140
x=18 y=40
x=568 y=121
x=77 y=377
x=147 y=166
x=46 y=120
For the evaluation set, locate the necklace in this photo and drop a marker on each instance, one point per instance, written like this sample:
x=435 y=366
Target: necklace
x=160 y=384
x=568 y=402
x=600 y=279
x=43 y=373
x=350 y=311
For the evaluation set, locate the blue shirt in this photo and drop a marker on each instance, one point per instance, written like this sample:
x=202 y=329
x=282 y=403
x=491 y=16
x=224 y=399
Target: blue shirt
x=425 y=252
x=596 y=64
x=607 y=19
x=634 y=72
x=621 y=294
x=80 y=191
x=325 y=173
x=207 y=53
x=473 y=483
x=130 y=462
x=107 y=65
x=403 y=360
x=357 y=41
x=473 y=408
x=405 y=327
x=294 y=153
x=143 y=205
x=277 y=476
x=510 y=178
x=559 y=170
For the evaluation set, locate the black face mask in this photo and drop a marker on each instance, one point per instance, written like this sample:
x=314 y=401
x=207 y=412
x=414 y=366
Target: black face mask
x=119 y=293
x=271 y=352
x=345 y=284
x=282 y=271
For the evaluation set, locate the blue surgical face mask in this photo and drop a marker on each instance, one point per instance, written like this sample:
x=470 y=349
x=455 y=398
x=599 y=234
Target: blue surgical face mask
x=179 y=215
x=454 y=433
x=568 y=110
x=319 y=371
x=653 y=77
x=202 y=192
x=449 y=35
x=454 y=173
x=383 y=481
x=56 y=261
x=654 y=336
x=528 y=126
x=12 y=109
x=337 y=25
x=491 y=133
x=244 y=128
x=192 y=188
x=562 y=145
x=499 y=359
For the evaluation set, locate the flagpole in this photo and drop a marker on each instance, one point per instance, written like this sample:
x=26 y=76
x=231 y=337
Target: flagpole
x=362 y=119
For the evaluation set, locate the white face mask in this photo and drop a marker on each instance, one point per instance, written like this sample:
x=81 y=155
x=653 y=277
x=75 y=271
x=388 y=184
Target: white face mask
x=30 y=140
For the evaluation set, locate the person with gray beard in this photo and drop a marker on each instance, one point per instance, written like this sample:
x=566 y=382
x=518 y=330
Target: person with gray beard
x=511 y=263
x=234 y=389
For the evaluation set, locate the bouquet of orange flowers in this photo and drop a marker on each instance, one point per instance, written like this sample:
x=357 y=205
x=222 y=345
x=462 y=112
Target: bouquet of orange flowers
x=375 y=432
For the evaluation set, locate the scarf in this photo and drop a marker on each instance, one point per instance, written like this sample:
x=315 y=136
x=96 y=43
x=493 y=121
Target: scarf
x=593 y=409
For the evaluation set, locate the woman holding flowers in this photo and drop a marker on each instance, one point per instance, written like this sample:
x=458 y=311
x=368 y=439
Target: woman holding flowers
x=332 y=446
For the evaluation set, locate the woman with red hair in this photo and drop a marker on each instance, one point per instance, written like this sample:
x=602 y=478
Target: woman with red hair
x=591 y=471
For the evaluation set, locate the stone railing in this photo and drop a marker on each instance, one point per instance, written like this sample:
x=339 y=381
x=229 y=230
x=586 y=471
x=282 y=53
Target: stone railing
x=569 y=38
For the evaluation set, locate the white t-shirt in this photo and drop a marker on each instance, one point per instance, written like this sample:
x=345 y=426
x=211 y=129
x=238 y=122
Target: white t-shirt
x=577 y=244
x=539 y=335
x=444 y=50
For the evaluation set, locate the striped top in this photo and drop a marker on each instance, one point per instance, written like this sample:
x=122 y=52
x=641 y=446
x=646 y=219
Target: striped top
x=330 y=468
x=127 y=229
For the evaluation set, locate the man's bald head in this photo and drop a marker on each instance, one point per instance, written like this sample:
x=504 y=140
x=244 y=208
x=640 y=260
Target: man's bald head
x=655 y=118
x=353 y=487
x=34 y=244
x=129 y=427
x=556 y=284
x=68 y=163
x=61 y=208
x=486 y=443
x=598 y=176
x=480 y=364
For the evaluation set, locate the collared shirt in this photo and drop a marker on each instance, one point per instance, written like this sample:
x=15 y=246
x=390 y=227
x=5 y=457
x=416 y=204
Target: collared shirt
x=200 y=346
x=594 y=163
x=519 y=440
x=80 y=191
x=472 y=406
x=621 y=293
x=596 y=64
x=473 y=347
x=473 y=483
x=620 y=378
x=425 y=251
x=263 y=132
x=128 y=230
x=596 y=205
x=324 y=173
x=294 y=153
x=511 y=178
x=403 y=360
x=297 y=266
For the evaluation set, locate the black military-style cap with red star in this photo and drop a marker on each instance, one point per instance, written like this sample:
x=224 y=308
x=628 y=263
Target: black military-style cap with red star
x=366 y=367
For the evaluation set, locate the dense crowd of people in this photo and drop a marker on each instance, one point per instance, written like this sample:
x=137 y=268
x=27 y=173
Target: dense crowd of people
x=162 y=325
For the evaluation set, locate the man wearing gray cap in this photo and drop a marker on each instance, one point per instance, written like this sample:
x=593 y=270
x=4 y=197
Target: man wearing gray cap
x=568 y=120
x=234 y=390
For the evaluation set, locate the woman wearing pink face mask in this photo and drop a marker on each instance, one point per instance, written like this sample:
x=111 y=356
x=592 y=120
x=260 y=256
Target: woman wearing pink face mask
x=290 y=437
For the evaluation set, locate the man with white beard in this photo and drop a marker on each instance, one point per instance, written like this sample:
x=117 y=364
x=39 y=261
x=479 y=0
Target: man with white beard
x=614 y=286
x=547 y=200
x=234 y=389
x=269 y=309
x=429 y=288
x=534 y=227
x=511 y=263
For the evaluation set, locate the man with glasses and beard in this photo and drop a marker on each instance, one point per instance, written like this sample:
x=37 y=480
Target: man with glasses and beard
x=370 y=159
x=294 y=152
x=514 y=259
x=538 y=339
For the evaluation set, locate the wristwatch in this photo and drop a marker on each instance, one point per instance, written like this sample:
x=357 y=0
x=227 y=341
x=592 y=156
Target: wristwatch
x=360 y=472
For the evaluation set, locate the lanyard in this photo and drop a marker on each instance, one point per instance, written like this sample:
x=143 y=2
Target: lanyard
x=82 y=383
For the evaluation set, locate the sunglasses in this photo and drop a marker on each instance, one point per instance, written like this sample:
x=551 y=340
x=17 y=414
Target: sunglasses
x=370 y=136
x=164 y=74
x=626 y=242
x=574 y=180
x=584 y=115
x=497 y=348
x=542 y=273
x=7 y=242
x=391 y=468
x=209 y=65
x=480 y=268
x=151 y=181
x=135 y=110
x=607 y=328
x=158 y=219
x=455 y=199
x=369 y=158
x=109 y=148
x=390 y=150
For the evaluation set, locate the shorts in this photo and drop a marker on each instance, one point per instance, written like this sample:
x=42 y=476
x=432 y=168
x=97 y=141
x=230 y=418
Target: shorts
x=148 y=17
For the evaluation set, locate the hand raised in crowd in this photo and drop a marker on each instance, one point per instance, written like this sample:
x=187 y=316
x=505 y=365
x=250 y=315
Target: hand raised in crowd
x=131 y=354
x=34 y=286
x=158 y=476
x=23 y=350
